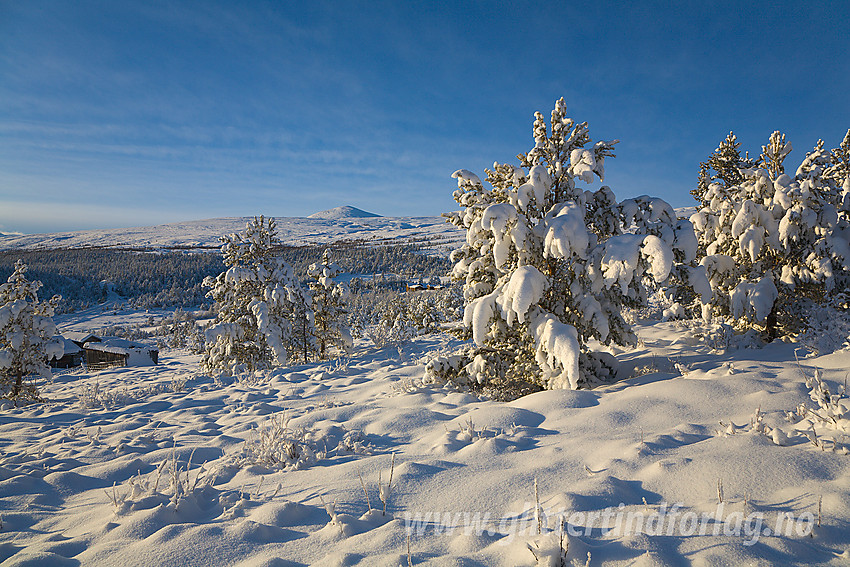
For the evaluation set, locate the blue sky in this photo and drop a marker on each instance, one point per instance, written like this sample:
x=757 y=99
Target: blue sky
x=135 y=113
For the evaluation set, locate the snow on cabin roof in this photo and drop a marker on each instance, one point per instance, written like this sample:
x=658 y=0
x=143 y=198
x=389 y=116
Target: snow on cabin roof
x=80 y=336
x=70 y=346
x=117 y=345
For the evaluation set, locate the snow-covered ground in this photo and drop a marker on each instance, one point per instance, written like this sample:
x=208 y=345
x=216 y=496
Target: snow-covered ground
x=165 y=466
x=428 y=231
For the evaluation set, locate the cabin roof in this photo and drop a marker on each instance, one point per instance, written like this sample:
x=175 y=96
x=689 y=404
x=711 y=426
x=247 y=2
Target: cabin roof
x=80 y=337
x=117 y=345
x=70 y=346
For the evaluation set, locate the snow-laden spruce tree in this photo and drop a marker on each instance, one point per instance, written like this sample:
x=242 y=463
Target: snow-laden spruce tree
x=723 y=166
x=329 y=310
x=548 y=266
x=771 y=239
x=26 y=333
x=263 y=315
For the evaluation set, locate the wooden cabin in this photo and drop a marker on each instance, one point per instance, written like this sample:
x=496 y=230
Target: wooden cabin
x=72 y=357
x=115 y=351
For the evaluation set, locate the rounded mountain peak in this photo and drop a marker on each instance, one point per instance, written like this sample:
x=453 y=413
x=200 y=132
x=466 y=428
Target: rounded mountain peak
x=344 y=212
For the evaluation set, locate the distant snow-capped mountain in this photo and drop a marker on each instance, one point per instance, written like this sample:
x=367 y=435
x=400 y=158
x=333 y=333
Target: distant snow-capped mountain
x=344 y=212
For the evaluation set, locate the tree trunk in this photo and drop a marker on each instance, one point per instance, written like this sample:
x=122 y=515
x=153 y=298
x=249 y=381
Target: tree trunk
x=770 y=323
x=304 y=337
x=18 y=384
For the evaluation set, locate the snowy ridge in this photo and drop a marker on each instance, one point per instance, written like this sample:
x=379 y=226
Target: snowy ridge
x=201 y=234
x=315 y=229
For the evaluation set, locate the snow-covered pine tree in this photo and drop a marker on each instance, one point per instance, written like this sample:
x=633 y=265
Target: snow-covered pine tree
x=547 y=265
x=259 y=301
x=773 y=239
x=329 y=310
x=723 y=166
x=26 y=333
x=837 y=174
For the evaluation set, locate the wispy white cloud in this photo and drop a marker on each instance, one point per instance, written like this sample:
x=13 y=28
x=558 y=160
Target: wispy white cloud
x=219 y=107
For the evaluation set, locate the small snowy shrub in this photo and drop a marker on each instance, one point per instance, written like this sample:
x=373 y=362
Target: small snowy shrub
x=449 y=367
x=277 y=445
x=93 y=396
x=263 y=317
x=827 y=325
x=767 y=239
x=354 y=442
x=26 y=334
x=176 y=487
x=674 y=311
x=831 y=418
x=548 y=266
x=826 y=426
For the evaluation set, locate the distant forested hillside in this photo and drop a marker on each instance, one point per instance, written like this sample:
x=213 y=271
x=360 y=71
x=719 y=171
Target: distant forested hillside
x=173 y=279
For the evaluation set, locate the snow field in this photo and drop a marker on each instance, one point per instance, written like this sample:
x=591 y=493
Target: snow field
x=162 y=465
x=292 y=231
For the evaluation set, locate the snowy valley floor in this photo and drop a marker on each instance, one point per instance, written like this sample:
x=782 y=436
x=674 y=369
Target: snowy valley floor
x=162 y=466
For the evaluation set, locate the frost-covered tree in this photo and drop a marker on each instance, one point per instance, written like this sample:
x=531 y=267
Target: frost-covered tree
x=395 y=325
x=329 y=310
x=261 y=305
x=425 y=312
x=773 y=239
x=547 y=265
x=723 y=166
x=837 y=174
x=26 y=332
